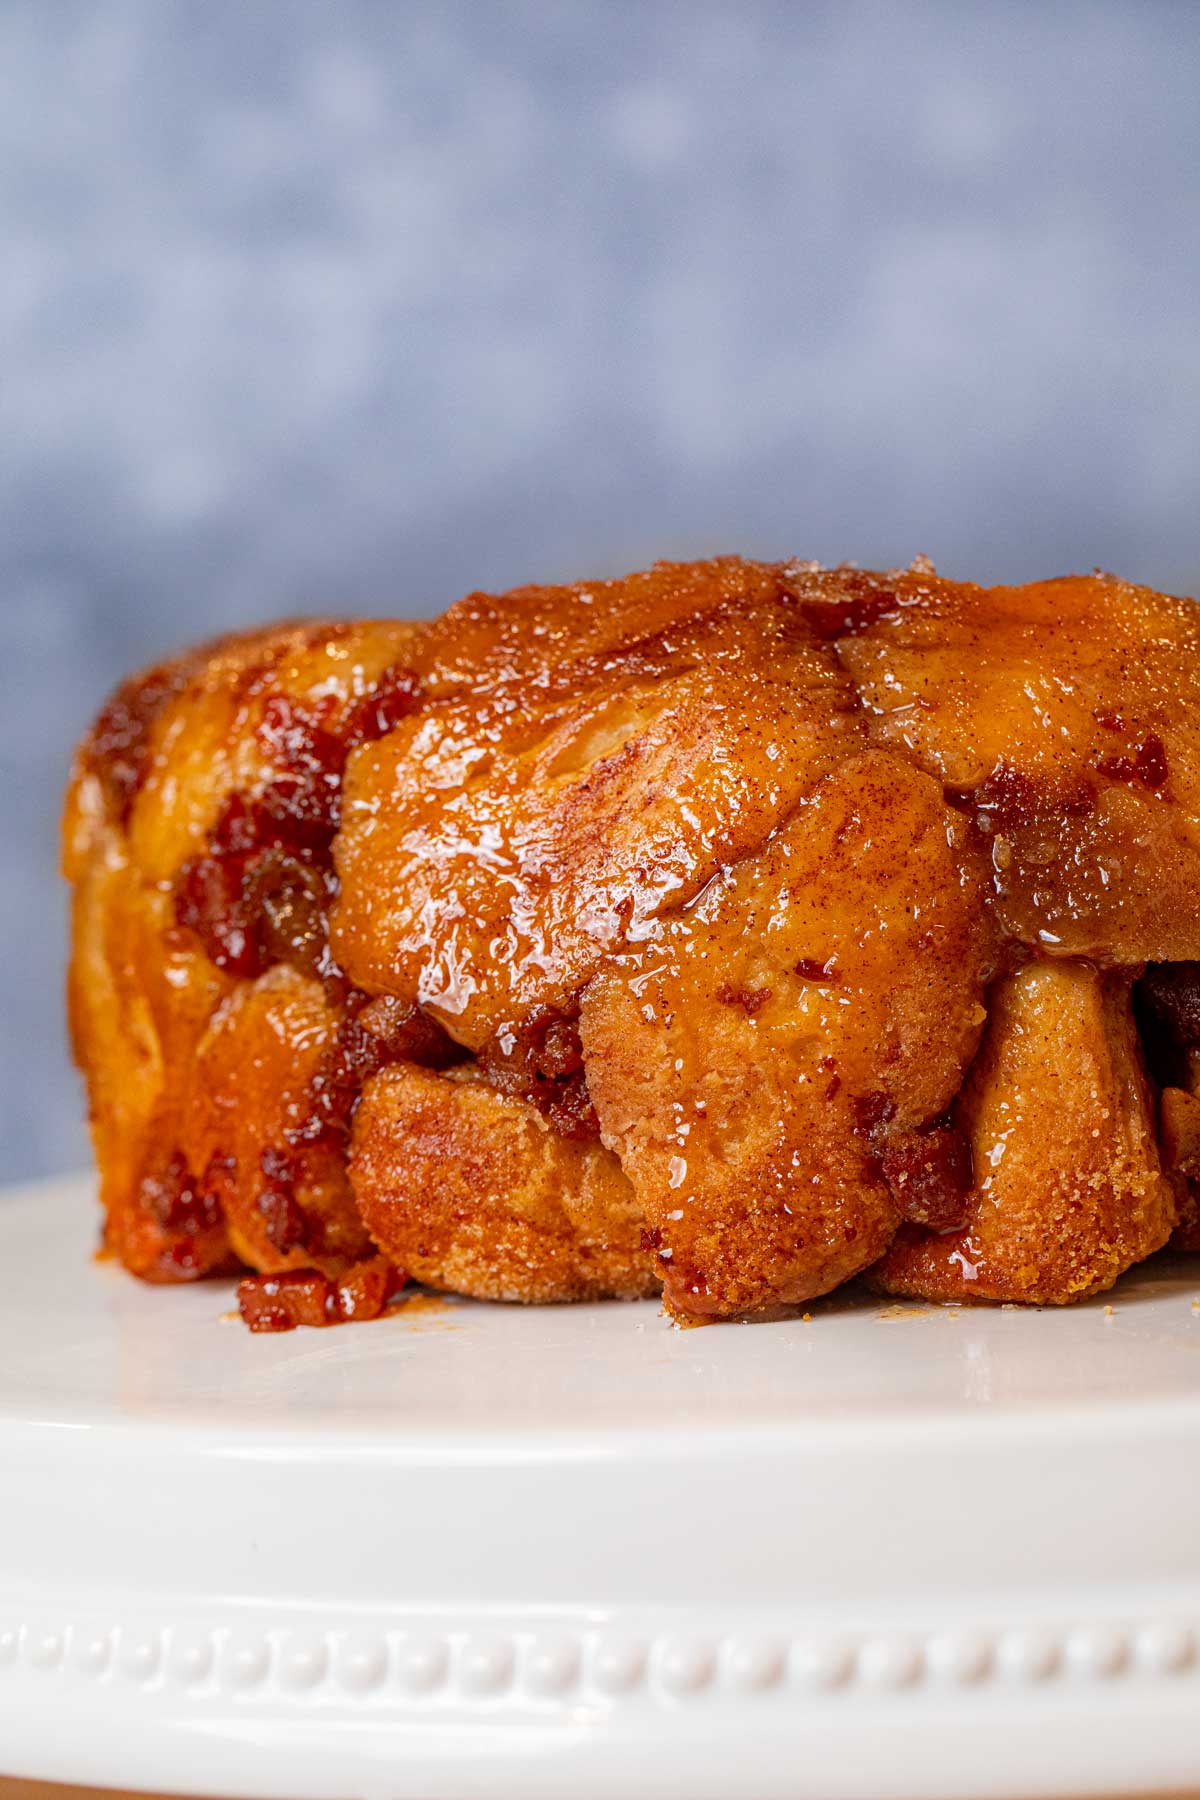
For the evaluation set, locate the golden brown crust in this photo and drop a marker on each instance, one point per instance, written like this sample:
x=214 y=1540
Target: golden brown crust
x=473 y=1191
x=139 y=1000
x=730 y=847
x=752 y=1060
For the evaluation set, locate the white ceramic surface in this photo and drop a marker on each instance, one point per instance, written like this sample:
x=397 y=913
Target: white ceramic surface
x=889 y=1552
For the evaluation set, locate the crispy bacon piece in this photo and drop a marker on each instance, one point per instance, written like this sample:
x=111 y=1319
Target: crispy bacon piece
x=306 y=1297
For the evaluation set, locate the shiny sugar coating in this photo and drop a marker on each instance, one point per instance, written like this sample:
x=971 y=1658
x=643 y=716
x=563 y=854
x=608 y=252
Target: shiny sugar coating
x=735 y=927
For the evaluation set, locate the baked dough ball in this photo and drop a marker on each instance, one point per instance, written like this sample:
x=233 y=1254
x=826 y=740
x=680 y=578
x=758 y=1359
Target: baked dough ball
x=475 y=1191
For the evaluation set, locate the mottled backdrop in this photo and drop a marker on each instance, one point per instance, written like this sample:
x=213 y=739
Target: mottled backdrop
x=359 y=305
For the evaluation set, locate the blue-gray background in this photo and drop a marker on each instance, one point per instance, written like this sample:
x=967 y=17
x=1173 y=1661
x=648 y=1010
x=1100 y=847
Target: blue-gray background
x=359 y=305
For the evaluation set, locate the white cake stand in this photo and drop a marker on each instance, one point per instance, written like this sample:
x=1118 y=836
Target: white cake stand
x=890 y=1553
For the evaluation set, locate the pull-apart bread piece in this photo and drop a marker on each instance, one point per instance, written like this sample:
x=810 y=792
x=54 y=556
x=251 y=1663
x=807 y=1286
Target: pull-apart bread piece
x=1070 y=1187
x=734 y=928
x=475 y=1190
x=774 y=1063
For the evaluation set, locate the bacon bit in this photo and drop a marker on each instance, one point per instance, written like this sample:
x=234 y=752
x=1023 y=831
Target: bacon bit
x=281 y=1302
x=371 y=1034
x=294 y=1297
x=261 y=892
x=749 y=999
x=295 y=737
x=177 y=1200
x=560 y=1053
x=181 y=1235
x=930 y=1175
x=545 y=1046
x=1153 y=769
x=287 y=814
x=292 y=902
x=809 y=969
x=1010 y=798
x=365 y=1290
x=395 y=697
x=183 y=1259
x=288 y=1226
x=863 y=600
x=285 y=1220
x=1148 y=764
x=118 y=746
x=872 y=1112
x=210 y=901
x=568 y=1107
x=1008 y=794
x=400 y=1030
x=541 y=1059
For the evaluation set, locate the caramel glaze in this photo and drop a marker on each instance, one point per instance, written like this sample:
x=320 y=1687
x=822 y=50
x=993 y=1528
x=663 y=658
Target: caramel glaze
x=731 y=927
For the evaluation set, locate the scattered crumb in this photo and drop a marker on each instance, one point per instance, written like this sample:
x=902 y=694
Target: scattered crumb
x=807 y=1317
x=418 y=1300
x=425 y=1310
